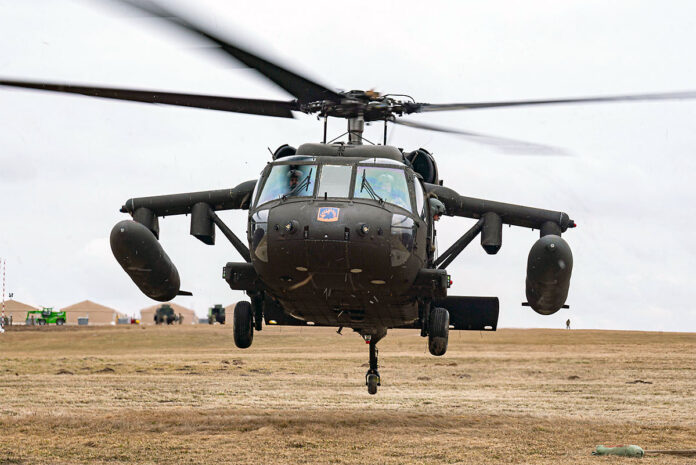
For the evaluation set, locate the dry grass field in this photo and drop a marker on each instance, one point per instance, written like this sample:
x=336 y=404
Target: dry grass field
x=187 y=395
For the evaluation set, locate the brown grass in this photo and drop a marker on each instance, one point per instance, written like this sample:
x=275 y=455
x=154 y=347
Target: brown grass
x=187 y=395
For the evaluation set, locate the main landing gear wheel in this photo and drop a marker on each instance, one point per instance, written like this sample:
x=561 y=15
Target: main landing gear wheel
x=438 y=334
x=243 y=324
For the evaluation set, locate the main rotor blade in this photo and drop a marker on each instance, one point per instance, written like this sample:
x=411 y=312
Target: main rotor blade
x=423 y=107
x=501 y=143
x=277 y=108
x=304 y=89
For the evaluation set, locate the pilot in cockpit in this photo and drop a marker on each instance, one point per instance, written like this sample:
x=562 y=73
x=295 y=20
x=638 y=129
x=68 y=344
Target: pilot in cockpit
x=293 y=179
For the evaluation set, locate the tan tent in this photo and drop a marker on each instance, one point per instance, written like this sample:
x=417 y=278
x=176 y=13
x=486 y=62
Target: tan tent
x=97 y=314
x=17 y=310
x=229 y=311
x=147 y=315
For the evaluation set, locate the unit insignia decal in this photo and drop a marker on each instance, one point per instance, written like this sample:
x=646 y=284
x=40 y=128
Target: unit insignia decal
x=328 y=214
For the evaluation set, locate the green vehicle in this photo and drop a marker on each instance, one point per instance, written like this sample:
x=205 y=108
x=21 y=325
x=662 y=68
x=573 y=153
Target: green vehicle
x=216 y=314
x=45 y=316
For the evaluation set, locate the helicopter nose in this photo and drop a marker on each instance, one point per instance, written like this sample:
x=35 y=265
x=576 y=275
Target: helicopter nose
x=358 y=243
x=338 y=244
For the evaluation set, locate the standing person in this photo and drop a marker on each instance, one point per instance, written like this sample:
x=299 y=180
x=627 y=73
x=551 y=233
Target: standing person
x=568 y=323
x=437 y=208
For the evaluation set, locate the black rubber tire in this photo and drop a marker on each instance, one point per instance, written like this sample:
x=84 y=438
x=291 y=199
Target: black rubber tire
x=242 y=325
x=439 y=331
x=41 y=322
x=60 y=322
x=372 y=382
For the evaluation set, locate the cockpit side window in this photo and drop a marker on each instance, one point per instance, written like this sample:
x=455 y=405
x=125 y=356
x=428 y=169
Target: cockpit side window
x=288 y=181
x=420 y=198
x=335 y=181
x=388 y=184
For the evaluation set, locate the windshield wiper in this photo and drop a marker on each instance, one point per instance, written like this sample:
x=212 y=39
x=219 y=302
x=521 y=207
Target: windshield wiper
x=365 y=185
x=303 y=184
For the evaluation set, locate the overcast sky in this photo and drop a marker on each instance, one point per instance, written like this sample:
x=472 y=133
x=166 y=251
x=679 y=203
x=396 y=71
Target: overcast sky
x=67 y=163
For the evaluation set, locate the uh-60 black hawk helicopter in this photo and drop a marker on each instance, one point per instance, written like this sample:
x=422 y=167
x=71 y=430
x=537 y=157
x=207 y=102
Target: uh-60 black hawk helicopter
x=340 y=234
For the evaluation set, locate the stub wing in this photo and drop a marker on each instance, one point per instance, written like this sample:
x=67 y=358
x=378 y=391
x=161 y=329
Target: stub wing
x=550 y=260
x=517 y=215
x=236 y=198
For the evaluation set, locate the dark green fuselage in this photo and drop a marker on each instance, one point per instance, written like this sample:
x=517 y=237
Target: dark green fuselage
x=355 y=268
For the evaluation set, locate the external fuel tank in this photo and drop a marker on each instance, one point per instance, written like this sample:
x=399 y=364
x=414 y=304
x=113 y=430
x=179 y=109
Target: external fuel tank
x=549 y=266
x=142 y=257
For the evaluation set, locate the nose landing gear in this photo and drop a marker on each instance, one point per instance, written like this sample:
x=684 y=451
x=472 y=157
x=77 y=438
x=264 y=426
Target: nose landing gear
x=372 y=378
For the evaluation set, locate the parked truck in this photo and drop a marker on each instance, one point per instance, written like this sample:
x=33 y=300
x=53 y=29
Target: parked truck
x=216 y=314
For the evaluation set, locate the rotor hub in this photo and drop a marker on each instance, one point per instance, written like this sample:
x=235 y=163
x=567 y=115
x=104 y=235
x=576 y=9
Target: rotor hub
x=370 y=105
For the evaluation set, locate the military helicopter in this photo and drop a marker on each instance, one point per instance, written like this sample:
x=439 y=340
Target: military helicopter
x=340 y=234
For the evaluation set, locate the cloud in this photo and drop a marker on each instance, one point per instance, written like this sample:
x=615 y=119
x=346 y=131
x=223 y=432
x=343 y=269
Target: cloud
x=67 y=163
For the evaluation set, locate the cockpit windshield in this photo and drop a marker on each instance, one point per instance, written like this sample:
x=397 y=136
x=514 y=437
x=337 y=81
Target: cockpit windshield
x=382 y=183
x=335 y=181
x=388 y=184
x=289 y=181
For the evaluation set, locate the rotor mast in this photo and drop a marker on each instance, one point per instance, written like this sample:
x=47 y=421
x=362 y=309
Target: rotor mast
x=356 y=126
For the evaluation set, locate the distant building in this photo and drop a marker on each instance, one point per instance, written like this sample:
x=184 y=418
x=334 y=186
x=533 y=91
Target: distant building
x=98 y=314
x=147 y=315
x=17 y=310
x=229 y=311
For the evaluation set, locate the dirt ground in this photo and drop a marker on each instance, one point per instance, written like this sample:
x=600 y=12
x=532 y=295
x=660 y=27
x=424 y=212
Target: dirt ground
x=185 y=394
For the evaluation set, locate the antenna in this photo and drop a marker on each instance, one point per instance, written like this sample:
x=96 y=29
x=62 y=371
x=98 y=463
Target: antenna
x=4 y=266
